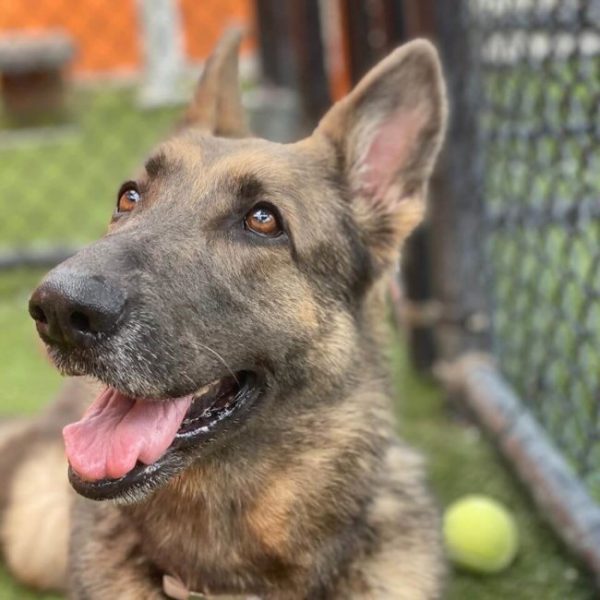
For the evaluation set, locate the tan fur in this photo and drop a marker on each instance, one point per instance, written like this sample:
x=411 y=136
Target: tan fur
x=11 y=429
x=271 y=527
x=217 y=105
x=418 y=575
x=35 y=529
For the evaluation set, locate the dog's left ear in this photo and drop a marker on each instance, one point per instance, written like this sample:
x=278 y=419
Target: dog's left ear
x=217 y=103
x=388 y=132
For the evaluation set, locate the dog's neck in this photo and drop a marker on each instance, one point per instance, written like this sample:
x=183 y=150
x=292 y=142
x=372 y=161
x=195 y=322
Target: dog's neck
x=230 y=526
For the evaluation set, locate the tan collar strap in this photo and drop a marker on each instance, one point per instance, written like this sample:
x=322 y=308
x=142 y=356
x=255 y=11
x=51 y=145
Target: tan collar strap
x=174 y=588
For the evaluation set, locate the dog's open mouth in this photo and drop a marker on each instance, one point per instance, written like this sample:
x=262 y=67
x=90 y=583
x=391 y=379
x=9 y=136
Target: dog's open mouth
x=123 y=442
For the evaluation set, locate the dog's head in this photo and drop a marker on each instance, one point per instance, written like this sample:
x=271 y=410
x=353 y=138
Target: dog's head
x=235 y=269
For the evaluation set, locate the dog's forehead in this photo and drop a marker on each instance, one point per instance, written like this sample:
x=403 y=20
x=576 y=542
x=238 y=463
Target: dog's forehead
x=212 y=159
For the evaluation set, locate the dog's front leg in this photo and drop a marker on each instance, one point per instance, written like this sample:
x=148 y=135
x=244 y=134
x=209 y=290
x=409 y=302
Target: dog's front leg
x=106 y=558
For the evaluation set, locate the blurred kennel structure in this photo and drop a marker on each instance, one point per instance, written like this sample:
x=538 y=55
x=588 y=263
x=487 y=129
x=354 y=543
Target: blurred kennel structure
x=499 y=292
x=86 y=89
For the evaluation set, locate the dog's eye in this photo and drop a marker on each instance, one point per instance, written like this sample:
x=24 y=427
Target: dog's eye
x=264 y=221
x=129 y=196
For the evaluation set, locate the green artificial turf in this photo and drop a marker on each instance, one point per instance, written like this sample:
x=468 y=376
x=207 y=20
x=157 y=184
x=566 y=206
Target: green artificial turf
x=59 y=187
x=460 y=460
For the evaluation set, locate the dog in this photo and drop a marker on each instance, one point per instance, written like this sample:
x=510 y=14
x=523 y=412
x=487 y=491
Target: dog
x=241 y=442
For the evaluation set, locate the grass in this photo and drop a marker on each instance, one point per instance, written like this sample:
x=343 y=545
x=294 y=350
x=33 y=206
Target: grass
x=75 y=177
x=460 y=460
x=26 y=378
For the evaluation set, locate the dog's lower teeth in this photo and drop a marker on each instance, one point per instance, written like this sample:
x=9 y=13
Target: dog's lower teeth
x=211 y=403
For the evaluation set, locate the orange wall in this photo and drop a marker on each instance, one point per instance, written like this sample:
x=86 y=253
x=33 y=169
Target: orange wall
x=106 y=33
x=204 y=20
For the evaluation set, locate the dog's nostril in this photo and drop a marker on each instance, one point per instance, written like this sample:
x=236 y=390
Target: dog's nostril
x=38 y=314
x=80 y=322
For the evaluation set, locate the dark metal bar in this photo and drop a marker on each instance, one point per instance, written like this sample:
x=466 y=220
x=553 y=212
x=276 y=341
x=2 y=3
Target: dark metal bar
x=415 y=272
x=312 y=83
x=275 y=51
x=35 y=258
x=356 y=23
x=419 y=18
x=457 y=191
x=394 y=22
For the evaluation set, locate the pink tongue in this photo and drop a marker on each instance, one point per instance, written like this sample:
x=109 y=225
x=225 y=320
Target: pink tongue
x=117 y=431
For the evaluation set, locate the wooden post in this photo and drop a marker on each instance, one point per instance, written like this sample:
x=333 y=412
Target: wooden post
x=276 y=53
x=312 y=82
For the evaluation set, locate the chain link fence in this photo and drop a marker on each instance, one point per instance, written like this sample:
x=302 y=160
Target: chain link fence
x=540 y=121
x=514 y=244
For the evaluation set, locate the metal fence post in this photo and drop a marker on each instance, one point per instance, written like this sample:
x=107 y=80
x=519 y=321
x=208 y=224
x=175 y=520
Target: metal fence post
x=456 y=198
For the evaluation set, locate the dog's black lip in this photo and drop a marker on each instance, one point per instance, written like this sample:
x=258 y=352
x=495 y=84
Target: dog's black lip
x=148 y=477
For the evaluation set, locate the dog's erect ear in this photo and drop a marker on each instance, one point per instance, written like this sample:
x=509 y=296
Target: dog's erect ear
x=388 y=132
x=217 y=103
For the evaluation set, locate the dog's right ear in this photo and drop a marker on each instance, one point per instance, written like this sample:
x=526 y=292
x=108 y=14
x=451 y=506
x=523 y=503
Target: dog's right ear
x=217 y=104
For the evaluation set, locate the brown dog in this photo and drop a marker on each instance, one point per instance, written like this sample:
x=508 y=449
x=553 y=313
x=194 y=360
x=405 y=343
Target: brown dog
x=242 y=428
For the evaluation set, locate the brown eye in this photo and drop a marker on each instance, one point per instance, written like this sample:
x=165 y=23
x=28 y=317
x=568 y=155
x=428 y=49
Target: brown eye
x=128 y=198
x=263 y=221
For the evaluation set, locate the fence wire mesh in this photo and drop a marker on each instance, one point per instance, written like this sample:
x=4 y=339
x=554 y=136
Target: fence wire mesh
x=539 y=105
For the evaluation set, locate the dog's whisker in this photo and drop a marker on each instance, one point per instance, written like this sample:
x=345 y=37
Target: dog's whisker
x=231 y=372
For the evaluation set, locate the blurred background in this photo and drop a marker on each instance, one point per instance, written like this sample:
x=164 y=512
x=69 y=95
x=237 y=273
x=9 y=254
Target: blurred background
x=497 y=353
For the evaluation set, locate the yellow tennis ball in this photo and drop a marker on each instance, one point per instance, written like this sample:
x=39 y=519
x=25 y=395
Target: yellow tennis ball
x=480 y=534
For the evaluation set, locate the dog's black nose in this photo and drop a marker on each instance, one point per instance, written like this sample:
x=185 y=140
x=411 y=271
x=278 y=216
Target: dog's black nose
x=75 y=310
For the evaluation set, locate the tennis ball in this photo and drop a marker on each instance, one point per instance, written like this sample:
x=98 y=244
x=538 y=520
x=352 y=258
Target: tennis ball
x=480 y=534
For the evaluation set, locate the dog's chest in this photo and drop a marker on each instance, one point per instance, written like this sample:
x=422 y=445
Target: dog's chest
x=218 y=548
